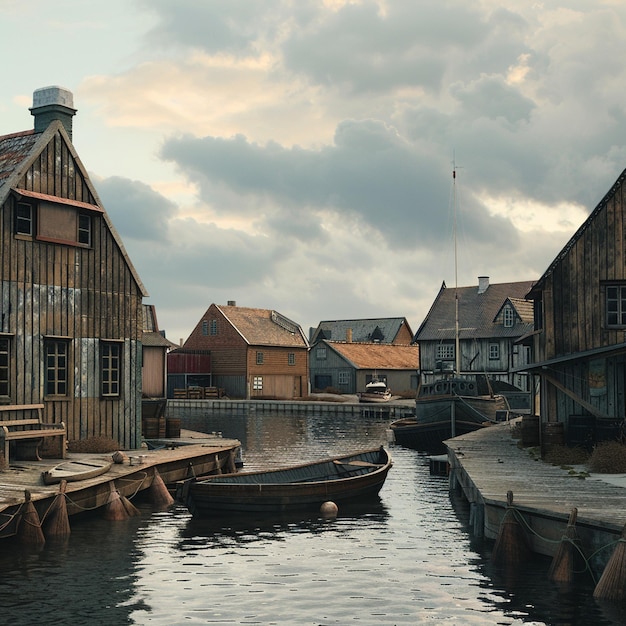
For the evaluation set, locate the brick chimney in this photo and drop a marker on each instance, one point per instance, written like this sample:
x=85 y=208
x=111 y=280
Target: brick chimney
x=483 y=284
x=50 y=104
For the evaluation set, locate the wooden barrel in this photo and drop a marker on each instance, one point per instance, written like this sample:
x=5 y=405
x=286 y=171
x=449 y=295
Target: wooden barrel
x=553 y=434
x=150 y=427
x=172 y=427
x=530 y=430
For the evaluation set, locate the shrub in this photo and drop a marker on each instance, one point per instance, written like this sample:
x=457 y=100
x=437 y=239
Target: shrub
x=608 y=457
x=95 y=445
x=565 y=455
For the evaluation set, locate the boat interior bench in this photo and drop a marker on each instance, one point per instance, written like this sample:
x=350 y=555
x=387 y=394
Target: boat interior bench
x=22 y=431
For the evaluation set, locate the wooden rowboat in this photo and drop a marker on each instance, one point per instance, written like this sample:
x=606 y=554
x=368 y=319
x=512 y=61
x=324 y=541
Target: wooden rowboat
x=76 y=470
x=351 y=478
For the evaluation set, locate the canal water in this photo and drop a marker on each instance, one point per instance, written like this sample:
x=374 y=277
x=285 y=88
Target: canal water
x=406 y=559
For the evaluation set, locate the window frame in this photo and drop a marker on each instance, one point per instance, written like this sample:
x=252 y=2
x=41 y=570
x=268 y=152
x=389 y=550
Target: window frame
x=257 y=383
x=291 y=358
x=56 y=362
x=5 y=363
x=508 y=316
x=494 y=351
x=259 y=357
x=29 y=220
x=619 y=300
x=320 y=353
x=213 y=327
x=110 y=369
x=81 y=229
x=445 y=351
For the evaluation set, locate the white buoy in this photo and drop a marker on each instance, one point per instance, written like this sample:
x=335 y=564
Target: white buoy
x=329 y=509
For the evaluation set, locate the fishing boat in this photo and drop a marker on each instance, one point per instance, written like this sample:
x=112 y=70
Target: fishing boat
x=75 y=470
x=354 y=477
x=456 y=403
x=448 y=408
x=376 y=391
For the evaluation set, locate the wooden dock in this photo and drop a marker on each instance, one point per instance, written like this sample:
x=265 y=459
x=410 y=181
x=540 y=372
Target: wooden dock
x=488 y=463
x=191 y=454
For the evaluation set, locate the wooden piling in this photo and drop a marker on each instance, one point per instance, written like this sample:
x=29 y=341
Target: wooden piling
x=159 y=495
x=568 y=558
x=56 y=523
x=511 y=547
x=612 y=583
x=114 y=510
x=29 y=530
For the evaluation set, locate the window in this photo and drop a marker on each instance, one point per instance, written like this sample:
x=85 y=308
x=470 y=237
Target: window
x=56 y=368
x=320 y=353
x=507 y=316
x=213 y=327
x=259 y=358
x=616 y=305
x=84 y=229
x=343 y=378
x=445 y=351
x=110 y=363
x=494 y=351
x=24 y=219
x=291 y=358
x=257 y=383
x=205 y=327
x=4 y=367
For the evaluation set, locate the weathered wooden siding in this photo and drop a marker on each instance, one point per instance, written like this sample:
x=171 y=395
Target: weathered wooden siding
x=82 y=294
x=153 y=378
x=275 y=363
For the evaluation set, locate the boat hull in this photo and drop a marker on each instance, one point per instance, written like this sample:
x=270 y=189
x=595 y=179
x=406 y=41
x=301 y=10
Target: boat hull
x=73 y=471
x=434 y=422
x=352 y=478
x=375 y=397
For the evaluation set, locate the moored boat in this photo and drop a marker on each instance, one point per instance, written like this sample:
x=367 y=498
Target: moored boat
x=445 y=409
x=375 y=391
x=354 y=477
x=74 y=470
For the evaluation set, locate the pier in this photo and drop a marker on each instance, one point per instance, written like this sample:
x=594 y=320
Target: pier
x=489 y=463
x=193 y=454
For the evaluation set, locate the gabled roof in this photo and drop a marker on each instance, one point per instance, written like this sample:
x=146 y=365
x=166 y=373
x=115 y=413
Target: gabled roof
x=380 y=356
x=151 y=335
x=477 y=312
x=578 y=234
x=18 y=151
x=382 y=329
x=524 y=309
x=264 y=327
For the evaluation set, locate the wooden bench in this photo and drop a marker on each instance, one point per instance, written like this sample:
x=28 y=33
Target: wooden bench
x=27 y=433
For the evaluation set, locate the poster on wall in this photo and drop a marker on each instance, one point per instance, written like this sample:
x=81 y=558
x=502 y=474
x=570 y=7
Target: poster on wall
x=597 y=377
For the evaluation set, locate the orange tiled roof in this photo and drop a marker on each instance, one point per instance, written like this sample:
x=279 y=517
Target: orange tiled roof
x=377 y=355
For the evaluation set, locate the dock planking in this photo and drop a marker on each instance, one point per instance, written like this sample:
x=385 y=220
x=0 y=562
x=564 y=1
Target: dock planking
x=193 y=453
x=488 y=463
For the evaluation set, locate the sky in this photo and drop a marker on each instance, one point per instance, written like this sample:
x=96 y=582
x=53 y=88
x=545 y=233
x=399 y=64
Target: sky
x=297 y=155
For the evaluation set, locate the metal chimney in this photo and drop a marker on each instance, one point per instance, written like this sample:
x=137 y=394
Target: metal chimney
x=483 y=284
x=50 y=104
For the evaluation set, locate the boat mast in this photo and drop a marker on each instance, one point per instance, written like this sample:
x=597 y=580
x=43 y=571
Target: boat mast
x=457 y=342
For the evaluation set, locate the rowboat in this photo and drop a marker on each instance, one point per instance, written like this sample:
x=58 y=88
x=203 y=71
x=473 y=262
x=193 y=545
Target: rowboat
x=354 y=477
x=376 y=391
x=76 y=470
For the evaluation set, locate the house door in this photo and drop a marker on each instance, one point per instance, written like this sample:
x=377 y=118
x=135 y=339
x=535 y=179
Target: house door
x=323 y=381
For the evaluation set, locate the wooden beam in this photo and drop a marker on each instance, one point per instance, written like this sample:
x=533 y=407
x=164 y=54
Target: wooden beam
x=568 y=392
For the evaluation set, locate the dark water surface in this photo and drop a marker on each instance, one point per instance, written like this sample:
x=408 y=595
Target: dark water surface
x=408 y=559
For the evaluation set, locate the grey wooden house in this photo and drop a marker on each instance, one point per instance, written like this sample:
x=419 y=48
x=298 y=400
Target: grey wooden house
x=71 y=300
x=493 y=319
x=580 y=324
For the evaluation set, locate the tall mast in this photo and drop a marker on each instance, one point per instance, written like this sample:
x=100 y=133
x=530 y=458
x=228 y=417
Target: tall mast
x=457 y=341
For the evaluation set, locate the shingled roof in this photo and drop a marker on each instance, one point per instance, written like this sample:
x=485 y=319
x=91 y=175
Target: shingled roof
x=378 y=355
x=264 y=327
x=477 y=312
x=381 y=330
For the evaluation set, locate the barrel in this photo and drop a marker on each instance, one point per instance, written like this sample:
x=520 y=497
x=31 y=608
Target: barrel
x=150 y=427
x=530 y=430
x=172 y=427
x=580 y=431
x=553 y=434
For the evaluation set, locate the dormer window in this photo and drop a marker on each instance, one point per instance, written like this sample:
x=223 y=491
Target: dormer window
x=507 y=316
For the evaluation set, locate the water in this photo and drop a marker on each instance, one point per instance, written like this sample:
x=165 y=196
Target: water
x=408 y=559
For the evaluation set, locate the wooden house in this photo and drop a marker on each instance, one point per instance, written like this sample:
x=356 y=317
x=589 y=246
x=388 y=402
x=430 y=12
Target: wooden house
x=348 y=366
x=492 y=320
x=254 y=352
x=71 y=300
x=580 y=325
x=330 y=370
x=394 y=330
